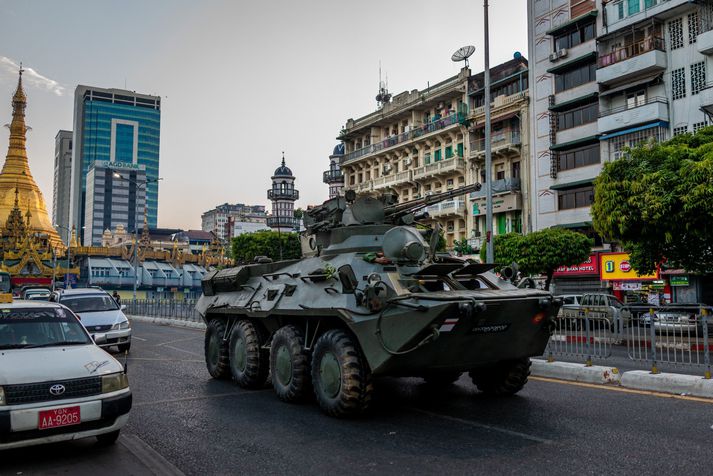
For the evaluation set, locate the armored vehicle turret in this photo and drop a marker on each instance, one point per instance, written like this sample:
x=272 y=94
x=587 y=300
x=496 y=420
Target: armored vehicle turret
x=371 y=297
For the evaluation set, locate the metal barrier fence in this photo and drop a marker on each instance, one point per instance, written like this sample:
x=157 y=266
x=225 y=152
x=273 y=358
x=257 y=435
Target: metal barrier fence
x=587 y=337
x=167 y=308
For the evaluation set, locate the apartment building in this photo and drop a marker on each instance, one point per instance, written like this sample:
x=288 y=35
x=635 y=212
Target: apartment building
x=429 y=141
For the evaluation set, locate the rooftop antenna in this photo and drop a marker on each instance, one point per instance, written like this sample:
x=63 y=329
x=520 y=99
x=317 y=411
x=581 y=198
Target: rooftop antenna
x=462 y=54
x=383 y=97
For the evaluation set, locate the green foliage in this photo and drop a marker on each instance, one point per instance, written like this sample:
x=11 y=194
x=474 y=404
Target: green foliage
x=265 y=243
x=541 y=252
x=298 y=213
x=657 y=203
x=462 y=247
x=441 y=238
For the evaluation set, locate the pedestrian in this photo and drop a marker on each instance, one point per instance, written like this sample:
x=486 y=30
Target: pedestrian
x=117 y=298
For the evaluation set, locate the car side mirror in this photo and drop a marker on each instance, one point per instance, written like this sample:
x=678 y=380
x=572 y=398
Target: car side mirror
x=348 y=279
x=123 y=307
x=99 y=339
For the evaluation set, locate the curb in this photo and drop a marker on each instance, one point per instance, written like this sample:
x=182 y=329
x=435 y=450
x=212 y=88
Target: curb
x=575 y=372
x=676 y=384
x=169 y=322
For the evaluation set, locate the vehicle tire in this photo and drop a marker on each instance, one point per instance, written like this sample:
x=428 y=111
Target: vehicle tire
x=340 y=375
x=441 y=379
x=502 y=379
x=249 y=363
x=289 y=364
x=108 y=438
x=124 y=347
x=217 y=357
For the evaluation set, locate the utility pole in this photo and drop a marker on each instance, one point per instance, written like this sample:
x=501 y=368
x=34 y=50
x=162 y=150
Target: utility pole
x=489 y=255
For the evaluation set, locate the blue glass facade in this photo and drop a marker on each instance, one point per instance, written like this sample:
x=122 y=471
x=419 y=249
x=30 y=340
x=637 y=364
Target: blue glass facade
x=103 y=119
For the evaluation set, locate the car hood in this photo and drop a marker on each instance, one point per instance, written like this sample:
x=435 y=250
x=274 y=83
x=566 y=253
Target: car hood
x=55 y=363
x=101 y=318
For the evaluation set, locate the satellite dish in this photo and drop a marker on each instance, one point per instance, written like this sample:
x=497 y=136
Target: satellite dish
x=463 y=54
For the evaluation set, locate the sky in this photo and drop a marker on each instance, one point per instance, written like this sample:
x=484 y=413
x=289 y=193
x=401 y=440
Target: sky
x=240 y=81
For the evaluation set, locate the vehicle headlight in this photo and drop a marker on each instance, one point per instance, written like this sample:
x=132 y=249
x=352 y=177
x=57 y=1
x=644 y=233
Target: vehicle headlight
x=2 y=396
x=120 y=325
x=114 y=382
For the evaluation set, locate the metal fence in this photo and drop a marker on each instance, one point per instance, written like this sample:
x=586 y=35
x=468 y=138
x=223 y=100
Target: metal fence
x=672 y=335
x=167 y=308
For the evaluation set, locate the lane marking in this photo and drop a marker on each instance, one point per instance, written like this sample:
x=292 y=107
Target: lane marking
x=624 y=390
x=177 y=340
x=183 y=350
x=484 y=426
x=156 y=463
x=139 y=338
x=156 y=359
x=201 y=397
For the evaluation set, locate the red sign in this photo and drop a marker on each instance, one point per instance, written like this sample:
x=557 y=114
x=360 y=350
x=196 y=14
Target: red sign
x=591 y=266
x=625 y=266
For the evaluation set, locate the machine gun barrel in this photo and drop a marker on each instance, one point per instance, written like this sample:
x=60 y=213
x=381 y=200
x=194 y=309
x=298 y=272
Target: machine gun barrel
x=413 y=205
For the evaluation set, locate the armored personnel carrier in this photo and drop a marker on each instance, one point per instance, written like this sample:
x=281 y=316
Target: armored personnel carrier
x=370 y=297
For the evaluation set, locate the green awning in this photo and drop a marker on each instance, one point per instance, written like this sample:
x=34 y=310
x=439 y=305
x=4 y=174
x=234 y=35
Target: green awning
x=574 y=62
x=568 y=185
x=579 y=224
x=575 y=21
x=574 y=143
x=573 y=102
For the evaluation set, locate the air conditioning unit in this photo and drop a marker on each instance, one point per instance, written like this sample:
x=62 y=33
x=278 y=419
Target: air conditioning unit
x=554 y=56
x=408 y=161
x=387 y=168
x=562 y=53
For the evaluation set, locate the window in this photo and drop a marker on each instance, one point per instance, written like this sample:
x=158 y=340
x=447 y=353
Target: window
x=572 y=159
x=576 y=117
x=678 y=83
x=572 y=38
x=675 y=33
x=693 y=27
x=635 y=99
x=677 y=131
x=698 y=77
x=449 y=152
x=619 y=144
x=632 y=7
x=516 y=169
x=575 y=198
x=437 y=155
x=698 y=126
x=576 y=77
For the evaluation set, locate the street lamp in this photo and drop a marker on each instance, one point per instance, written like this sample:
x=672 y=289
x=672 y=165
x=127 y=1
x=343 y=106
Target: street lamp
x=69 y=242
x=138 y=184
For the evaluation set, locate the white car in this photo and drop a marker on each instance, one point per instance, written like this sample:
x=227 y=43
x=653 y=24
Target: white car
x=56 y=384
x=99 y=313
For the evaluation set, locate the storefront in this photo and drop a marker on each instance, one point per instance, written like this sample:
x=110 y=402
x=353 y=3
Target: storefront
x=624 y=282
x=578 y=279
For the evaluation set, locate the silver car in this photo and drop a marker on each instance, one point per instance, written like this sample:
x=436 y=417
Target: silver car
x=100 y=314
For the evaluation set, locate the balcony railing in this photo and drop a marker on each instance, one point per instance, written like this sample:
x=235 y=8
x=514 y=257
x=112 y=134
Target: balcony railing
x=330 y=176
x=283 y=222
x=500 y=186
x=447 y=208
x=393 y=179
x=631 y=51
x=440 y=167
x=626 y=107
x=287 y=194
x=620 y=10
x=498 y=140
x=418 y=131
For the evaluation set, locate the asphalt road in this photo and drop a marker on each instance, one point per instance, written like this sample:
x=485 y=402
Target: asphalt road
x=183 y=421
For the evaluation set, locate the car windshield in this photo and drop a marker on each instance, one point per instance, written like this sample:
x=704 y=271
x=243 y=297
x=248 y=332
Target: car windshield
x=23 y=328
x=90 y=303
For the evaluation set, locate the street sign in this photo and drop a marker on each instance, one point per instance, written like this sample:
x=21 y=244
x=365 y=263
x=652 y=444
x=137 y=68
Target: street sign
x=679 y=280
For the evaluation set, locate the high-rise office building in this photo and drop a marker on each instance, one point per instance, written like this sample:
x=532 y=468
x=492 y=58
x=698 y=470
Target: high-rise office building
x=226 y=220
x=118 y=127
x=115 y=196
x=62 y=179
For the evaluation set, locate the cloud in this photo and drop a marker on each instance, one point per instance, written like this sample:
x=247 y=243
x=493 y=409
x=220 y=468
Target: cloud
x=31 y=77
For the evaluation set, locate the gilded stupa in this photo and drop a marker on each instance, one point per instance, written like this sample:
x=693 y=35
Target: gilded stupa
x=16 y=183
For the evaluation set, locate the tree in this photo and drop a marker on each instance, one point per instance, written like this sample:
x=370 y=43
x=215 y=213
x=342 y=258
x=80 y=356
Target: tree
x=541 y=252
x=298 y=213
x=461 y=247
x=247 y=246
x=656 y=202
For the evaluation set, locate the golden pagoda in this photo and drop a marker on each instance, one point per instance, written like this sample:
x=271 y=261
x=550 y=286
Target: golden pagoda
x=16 y=182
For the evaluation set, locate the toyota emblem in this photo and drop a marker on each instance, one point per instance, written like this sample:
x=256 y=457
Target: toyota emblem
x=57 y=389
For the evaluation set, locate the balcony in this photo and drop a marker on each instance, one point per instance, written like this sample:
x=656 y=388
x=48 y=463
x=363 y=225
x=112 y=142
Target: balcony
x=442 y=167
x=623 y=13
x=505 y=142
x=435 y=125
x=283 y=194
x=331 y=176
x=653 y=109
x=447 y=208
x=704 y=43
x=366 y=186
x=632 y=62
x=283 y=222
x=500 y=186
x=391 y=180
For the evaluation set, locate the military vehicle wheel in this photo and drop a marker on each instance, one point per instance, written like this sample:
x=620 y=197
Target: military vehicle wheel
x=340 y=375
x=502 y=379
x=249 y=363
x=441 y=379
x=217 y=357
x=289 y=364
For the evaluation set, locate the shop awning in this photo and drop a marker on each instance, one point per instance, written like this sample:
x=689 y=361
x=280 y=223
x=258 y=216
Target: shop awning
x=579 y=224
x=634 y=129
x=568 y=185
